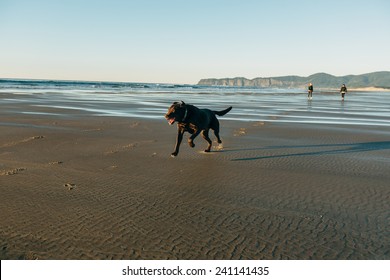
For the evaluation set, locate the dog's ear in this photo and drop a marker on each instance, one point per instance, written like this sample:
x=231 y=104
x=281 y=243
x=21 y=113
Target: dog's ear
x=181 y=103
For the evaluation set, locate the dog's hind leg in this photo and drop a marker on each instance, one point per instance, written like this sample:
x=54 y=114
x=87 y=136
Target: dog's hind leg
x=205 y=135
x=216 y=132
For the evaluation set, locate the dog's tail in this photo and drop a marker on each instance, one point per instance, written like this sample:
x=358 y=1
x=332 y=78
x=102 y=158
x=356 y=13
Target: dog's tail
x=223 y=112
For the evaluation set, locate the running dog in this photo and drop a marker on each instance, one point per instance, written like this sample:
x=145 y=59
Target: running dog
x=194 y=121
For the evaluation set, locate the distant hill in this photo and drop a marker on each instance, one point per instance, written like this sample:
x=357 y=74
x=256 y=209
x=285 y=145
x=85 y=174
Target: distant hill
x=319 y=80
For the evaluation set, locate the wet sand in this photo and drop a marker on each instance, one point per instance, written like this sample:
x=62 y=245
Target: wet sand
x=106 y=188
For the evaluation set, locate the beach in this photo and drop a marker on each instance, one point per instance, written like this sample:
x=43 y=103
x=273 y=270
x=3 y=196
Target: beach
x=75 y=185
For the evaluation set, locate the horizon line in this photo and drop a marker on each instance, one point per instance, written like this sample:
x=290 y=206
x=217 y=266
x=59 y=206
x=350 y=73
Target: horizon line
x=172 y=83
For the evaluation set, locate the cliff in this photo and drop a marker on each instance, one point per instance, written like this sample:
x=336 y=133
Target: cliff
x=319 y=80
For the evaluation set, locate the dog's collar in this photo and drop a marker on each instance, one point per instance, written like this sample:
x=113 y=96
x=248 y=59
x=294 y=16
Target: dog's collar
x=185 y=115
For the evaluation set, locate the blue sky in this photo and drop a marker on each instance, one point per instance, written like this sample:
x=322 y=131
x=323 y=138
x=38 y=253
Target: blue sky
x=184 y=41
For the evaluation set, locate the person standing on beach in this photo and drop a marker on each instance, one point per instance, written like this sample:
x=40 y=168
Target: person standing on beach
x=310 y=91
x=343 y=91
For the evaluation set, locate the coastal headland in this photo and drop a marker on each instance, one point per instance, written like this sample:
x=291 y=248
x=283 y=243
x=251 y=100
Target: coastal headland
x=370 y=81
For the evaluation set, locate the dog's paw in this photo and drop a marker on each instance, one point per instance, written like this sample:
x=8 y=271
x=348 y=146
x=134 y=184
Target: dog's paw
x=207 y=151
x=174 y=154
x=191 y=144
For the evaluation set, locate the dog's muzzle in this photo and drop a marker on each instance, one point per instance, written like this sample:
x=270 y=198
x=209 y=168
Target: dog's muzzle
x=170 y=120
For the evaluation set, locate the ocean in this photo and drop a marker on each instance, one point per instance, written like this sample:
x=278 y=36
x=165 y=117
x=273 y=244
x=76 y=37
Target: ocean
x=150 y=100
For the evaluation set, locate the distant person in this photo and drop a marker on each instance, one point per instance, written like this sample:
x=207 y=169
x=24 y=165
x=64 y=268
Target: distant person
x=343 y=91
x=310 y=91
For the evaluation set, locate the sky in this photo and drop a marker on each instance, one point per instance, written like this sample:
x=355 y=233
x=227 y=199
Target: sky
x=168 y=41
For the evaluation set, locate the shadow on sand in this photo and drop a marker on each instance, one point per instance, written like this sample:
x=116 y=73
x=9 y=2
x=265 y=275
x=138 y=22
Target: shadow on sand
x=342 y=149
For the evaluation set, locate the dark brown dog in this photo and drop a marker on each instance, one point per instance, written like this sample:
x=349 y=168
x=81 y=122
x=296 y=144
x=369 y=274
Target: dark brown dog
x=193 y=120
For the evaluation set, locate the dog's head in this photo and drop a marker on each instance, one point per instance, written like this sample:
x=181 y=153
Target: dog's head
x=177 y=112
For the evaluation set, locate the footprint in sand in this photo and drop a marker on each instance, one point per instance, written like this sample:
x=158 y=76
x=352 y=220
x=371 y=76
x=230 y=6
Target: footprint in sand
x=22 y=141
x=122 y=148
x=240 y=132
x=112 y=167
x=32 y=138
x=134 y=124
x=56 y=162
x=129 y=146
x=219 y=147
x=11 y=172
x=70 y=186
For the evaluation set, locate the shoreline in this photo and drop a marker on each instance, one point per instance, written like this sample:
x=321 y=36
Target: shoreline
x=106 y=188
x=168 y=85
x=370 y=89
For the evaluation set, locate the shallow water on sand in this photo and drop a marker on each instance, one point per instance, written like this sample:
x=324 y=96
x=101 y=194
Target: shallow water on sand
x=152 y=101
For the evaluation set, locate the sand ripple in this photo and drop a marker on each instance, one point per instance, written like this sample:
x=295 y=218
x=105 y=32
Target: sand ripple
x=270 y=193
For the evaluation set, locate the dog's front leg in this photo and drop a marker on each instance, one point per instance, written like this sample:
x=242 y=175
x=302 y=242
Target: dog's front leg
x=180 y=133
x=192 y=137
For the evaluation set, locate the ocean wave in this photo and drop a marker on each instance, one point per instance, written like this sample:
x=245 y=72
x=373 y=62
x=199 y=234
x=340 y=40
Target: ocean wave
x=125 y=87
x=152 y=100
